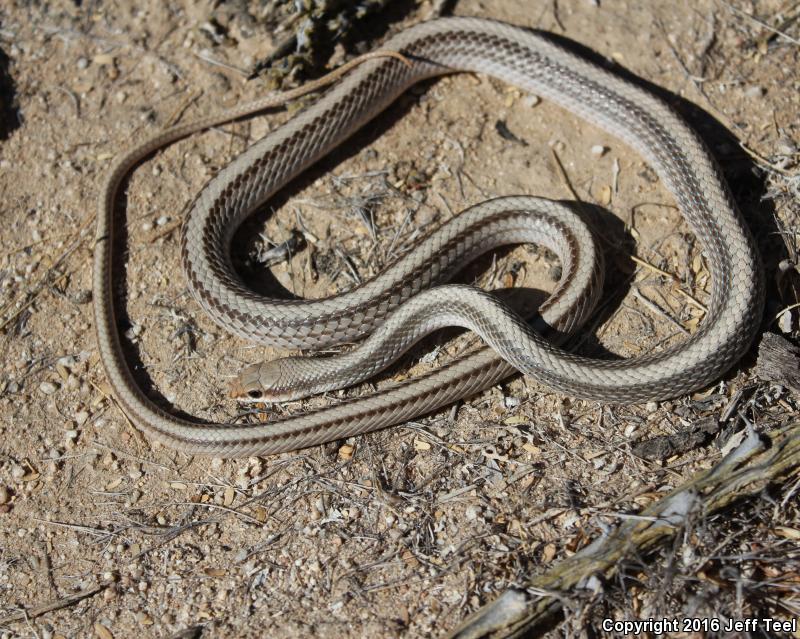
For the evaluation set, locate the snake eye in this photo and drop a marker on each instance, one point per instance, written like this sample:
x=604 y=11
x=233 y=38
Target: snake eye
x=254 y=394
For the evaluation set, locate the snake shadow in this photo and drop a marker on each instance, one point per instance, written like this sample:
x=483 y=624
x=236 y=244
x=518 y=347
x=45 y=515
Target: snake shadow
x=9 y=112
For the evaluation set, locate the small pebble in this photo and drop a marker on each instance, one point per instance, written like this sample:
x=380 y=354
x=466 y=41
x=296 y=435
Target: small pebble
x=472 y=512
x=531 y=100
x=80 y=417
x=147 y=226
x=161 y=221
x=786 y=146
x=82 y=63
x=5 y=496
x=17 y=472
x=421 y=444
x=598 y=150
x=785 y=322
x=754 y=92
x=48 y=388
x=346 y=452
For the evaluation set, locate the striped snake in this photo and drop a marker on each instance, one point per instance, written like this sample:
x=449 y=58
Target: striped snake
x=397 y=307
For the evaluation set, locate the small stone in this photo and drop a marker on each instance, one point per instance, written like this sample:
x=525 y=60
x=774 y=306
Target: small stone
x=104 y=59
x=472 y=512
x=421 y=444
x=48 y=388
x=786 y=322
x=102 y=632
x=161 y=221
x=786 y=146
x=82 y=63
x=754 y=92
x=531 y=100
x=80 y=417
x=598 y=150
x=346 y=452
x=63 y=372
x=68 y=362
x=531 y=448
x=147 y=226
x=5 y=495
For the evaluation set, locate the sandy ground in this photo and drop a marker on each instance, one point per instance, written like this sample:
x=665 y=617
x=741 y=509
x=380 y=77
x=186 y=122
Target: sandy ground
x=405 y=531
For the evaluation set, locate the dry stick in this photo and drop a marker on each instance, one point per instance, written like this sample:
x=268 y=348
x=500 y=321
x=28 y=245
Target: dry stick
x=760 y=23
x=744 y=473
x=57 y=604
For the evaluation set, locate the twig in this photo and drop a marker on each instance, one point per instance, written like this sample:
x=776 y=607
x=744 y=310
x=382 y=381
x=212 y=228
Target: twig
x=760 y=23
x=744 y=473
x=772 y=167
x=208 y=59
x=653 y=268
x=38 y=611
x=562 y=172
x=655 y=308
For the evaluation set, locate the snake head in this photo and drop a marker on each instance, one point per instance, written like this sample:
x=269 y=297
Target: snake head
x=263 y=382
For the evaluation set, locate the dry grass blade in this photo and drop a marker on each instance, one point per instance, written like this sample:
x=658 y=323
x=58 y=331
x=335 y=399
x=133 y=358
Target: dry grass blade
x=744 y=473
x=57 y=604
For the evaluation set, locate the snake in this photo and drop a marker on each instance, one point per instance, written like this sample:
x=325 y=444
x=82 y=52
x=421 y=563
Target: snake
x=392 y=310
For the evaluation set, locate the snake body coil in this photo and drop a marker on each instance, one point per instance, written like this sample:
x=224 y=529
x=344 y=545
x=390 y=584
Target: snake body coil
x=532 y=63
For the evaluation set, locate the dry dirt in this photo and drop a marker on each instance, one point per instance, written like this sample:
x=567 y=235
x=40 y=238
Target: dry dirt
x=405 y=531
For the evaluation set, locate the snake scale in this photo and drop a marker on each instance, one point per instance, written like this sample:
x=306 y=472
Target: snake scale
x=396 y=304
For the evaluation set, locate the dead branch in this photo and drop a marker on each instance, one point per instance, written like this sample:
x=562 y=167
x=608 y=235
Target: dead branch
x=761 y=460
